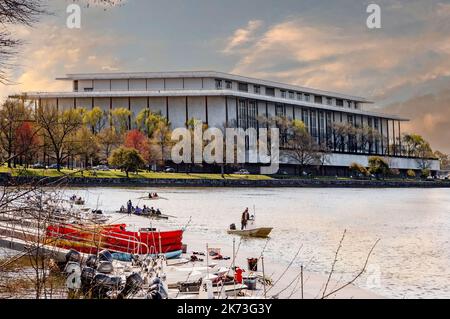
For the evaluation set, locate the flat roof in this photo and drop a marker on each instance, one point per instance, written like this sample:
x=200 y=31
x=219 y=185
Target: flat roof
x=207 y=74
x=179 y=93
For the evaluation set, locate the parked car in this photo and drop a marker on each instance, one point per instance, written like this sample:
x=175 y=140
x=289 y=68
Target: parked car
x=103 y=168
x=169 y=169
x=54 y=166
x=242 y=172
x=38 y=166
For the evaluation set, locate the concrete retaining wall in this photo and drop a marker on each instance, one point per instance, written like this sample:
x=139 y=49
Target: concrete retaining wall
x=123 y=182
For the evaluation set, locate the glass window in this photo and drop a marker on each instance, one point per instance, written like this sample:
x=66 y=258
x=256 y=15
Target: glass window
x=270 y=91
x=257 y=89
x=299 y=96
x=329 y=101
x=339 y=102
x=291 y=95
x=283 y=94
x=307 y=97
x=218 y=84
x=243 y=87
x=228 y=85
x=318 y=99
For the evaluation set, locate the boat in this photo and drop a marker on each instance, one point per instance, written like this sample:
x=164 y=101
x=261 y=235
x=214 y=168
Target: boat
x=116 y=238
x=129 y=257
x=149 y=215
x=262 y=232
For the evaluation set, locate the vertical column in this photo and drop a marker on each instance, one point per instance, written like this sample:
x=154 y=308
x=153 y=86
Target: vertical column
x=400 y=138
x=75 y=103
x=206 y=110
x=382 y=136
x=110 y=112
x=187 y=110
x=226 y=111
x=129 y=109
x=394 y=144
x=57 y=104
x=167 y=108
x=92 y=103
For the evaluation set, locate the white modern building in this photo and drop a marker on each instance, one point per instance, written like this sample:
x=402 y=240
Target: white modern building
x=225 y=100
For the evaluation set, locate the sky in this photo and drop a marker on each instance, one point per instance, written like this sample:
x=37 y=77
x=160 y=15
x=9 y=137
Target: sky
x=404 y=66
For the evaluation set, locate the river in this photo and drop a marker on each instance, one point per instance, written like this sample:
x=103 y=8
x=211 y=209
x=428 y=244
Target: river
x=412 y=259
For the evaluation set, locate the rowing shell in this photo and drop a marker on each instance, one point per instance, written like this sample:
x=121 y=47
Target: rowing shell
x=262 y=232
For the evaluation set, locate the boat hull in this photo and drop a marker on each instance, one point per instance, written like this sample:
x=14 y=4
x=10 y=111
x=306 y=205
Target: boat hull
x=262 y=232
x=114 y=238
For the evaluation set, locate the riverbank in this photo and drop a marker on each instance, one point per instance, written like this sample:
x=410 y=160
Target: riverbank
x=197 y=180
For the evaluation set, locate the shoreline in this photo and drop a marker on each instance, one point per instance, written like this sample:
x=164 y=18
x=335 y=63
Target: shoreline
x=6 y=179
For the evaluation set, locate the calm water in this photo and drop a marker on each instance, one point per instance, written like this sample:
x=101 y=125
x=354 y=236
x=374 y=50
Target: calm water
x=412 y=258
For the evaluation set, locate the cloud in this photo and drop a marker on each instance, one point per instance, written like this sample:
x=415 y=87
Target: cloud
x=52 y=51
x=242 y=36
x=430 y=116
x=355 y=61
x=403 y=72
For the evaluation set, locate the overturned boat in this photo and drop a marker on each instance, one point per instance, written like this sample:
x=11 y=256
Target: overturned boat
x=115 y=238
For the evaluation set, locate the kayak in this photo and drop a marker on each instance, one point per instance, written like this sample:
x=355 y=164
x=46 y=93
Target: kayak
x=91 y=239
x=262 y=232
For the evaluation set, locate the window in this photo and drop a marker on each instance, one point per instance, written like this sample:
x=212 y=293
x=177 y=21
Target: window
x=270 y=91
x=356 y=105
x=340 y=102
x=283 y=94
x=299 y=96
x=243 y=87
x=349 y=103
x=247 y=116
x=314 y=124
x=75 y=86
x=318 y=99
x=305 y=118
x=257 y=89
x=280 y=110
x=228 y=85
x=88 y=89
x=329 y=101
x=218 y=84
x=307 y=97
x=292 y=95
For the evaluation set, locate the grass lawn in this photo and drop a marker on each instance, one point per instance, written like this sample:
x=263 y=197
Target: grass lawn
x=119 y=174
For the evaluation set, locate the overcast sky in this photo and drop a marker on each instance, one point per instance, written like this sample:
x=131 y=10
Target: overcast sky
x=404 y=66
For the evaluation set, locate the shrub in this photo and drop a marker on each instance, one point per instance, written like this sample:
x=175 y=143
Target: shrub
x=411 y=174
x=425 y=173
x=359 y=169
x=378 y=166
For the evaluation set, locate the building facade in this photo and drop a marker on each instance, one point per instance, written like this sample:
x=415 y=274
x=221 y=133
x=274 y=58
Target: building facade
x=225 y=100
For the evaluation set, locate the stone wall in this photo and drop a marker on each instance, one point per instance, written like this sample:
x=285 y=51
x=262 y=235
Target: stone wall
x=123 y=182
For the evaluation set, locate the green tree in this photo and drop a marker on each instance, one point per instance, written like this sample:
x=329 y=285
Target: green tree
x=58 y=129
x=444 y=159
x=378 y=166
x=96 y=119
x=411 y=174
x=121 y=119
x=108 y=139
x=127 y=159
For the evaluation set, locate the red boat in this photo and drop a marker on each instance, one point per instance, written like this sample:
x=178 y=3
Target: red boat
x=91 y=239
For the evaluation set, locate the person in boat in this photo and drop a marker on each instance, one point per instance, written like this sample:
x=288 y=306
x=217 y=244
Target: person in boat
x=145 y=209
x=150 y=195
x=129 y=207
x=158 y=212
x=152 y=211
x=123 y=210
x=245 y=218
x=138 y=211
